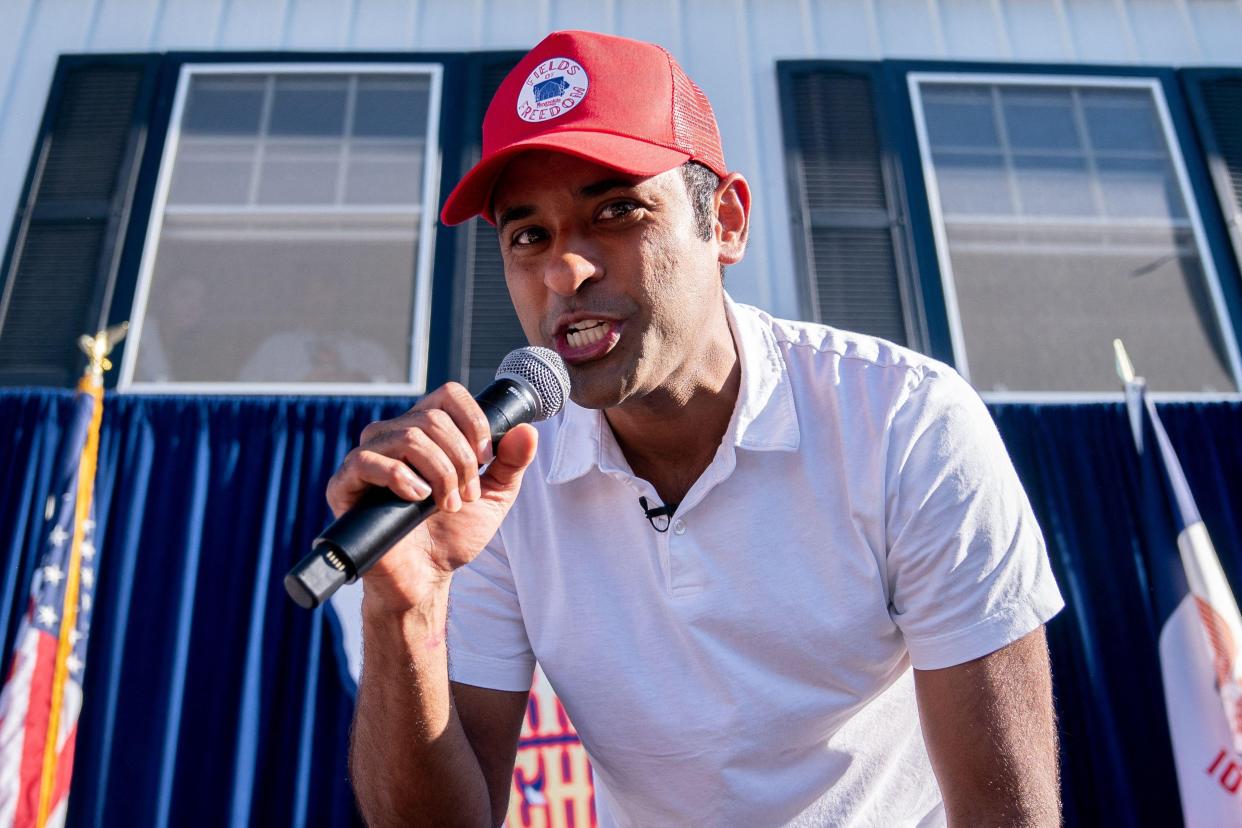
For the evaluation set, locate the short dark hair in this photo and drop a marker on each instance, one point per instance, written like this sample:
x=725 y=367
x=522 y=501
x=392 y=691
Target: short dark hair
x=701 y=184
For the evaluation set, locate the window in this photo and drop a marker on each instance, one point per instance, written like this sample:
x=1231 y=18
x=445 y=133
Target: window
x=1063 y=219
x=290 y=245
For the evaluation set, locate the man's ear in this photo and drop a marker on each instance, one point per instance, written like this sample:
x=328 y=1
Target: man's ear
x=732 y=203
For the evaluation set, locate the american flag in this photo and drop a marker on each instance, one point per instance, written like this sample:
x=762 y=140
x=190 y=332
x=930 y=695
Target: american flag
x=1200 y=629
x=42 y=697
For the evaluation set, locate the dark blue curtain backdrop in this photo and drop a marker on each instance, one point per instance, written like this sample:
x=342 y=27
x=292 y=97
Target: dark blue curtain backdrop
x=211 y=699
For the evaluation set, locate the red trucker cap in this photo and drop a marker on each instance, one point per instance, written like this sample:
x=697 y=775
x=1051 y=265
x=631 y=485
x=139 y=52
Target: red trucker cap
x=621 y=103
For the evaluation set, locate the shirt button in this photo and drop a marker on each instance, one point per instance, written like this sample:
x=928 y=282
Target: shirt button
x=679 y=527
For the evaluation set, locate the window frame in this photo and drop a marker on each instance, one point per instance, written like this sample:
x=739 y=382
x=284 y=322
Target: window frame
x=424 y=274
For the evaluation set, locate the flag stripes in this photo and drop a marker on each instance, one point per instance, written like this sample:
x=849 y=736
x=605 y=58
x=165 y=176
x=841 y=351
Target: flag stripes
x=42 y=697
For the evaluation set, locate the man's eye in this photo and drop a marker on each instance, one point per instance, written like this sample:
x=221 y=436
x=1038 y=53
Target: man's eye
x=617 y=209
x=527 y=236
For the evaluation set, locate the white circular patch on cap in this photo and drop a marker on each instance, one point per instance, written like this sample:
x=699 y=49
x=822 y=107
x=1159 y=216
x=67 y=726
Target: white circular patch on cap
x=552 y=88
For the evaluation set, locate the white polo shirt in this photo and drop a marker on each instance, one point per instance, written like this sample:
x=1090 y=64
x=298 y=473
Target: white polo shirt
x=751 y=666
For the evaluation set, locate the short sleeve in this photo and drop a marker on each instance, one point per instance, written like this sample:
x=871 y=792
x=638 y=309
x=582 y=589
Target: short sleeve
x=487 y=642
x=967 y=568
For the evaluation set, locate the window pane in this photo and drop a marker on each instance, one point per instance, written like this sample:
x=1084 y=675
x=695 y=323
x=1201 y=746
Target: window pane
x=300 y=173
x=1041 y=307
x=266 y=301
x=309 y=107
x=389 y=107
x=1040 y=119
x=288 y=250
x=224 y=106
x=960 y=118
x=213 y=171
x=973 y=184
x=1054 y=185
x=1072 y=233
x=385 y=175
x=1123 y=121
x=1140 y=187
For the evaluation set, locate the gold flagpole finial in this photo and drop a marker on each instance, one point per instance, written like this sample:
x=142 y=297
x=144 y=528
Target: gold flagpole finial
x=98 y=347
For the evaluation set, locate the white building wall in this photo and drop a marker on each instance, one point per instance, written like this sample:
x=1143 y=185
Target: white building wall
x=728 y=46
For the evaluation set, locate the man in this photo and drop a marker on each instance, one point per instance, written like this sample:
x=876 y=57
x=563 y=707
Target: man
x=843 y=509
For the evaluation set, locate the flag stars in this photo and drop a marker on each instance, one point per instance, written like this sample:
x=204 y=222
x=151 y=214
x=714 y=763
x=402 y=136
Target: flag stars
x=73 y=663
x=88 y=577
x=53 y=574
x=86 y=603
x=88 y=550
x=58 y=537
x=74 y=637
x=88 y=526
x=46 y=616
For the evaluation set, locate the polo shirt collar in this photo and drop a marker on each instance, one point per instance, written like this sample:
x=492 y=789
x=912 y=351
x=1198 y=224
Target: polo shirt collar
x=764 y=418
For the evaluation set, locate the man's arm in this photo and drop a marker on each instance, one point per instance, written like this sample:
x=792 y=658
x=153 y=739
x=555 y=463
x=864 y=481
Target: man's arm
x=991 y=734
x=420 y=753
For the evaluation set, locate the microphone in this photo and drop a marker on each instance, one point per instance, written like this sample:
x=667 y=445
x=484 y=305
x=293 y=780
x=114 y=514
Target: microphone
x=531 y=384
x=653 y=512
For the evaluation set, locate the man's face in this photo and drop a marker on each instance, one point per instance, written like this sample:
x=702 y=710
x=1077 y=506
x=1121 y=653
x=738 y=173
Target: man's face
x=607 y=270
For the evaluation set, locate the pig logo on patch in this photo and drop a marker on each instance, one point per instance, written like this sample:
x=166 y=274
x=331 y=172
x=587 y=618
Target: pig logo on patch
x=552 y=88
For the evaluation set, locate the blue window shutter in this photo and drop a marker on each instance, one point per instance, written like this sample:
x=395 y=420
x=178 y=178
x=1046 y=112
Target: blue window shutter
x=1216 y=101
x=63 y=251
x=847 y=216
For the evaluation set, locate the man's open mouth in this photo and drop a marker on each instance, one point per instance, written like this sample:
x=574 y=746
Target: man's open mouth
x=586 y=332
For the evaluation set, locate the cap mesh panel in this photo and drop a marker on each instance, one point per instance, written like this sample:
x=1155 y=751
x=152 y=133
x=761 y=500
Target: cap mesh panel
x=694 y=123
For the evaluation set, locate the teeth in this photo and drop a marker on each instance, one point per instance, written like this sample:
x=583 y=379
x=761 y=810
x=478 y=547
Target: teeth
x=587 y=332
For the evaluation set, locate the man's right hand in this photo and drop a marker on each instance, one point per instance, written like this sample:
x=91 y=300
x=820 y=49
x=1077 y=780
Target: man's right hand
x=435 y=448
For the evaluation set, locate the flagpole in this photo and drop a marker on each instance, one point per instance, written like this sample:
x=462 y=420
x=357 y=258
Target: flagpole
x=97 y=349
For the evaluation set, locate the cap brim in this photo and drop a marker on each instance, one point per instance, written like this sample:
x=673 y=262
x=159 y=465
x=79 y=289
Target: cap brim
x=632 y=156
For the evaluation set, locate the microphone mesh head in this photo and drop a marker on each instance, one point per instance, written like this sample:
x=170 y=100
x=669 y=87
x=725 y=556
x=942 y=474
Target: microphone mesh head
x=545 y=372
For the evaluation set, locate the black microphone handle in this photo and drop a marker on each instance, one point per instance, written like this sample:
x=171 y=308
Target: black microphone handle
x=352 y=543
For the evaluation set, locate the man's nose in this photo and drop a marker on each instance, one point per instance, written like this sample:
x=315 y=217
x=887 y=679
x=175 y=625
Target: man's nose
x=569 y=269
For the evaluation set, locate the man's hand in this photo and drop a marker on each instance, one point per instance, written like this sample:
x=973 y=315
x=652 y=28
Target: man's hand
x=991 y=734
x=435 y=448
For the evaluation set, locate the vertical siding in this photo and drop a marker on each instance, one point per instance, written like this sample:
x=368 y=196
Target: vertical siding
x=249 y=25
x=1163 y=32
x=909 y=27
x=189 y=24
x=729 y=46
x=384 y=24
x=973 y=29
x=121 y=23
x=318 y=24
x=449 y=26
x=1037 y=30
x=1218 y=29
x=845 y=29
x=1100 y=28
